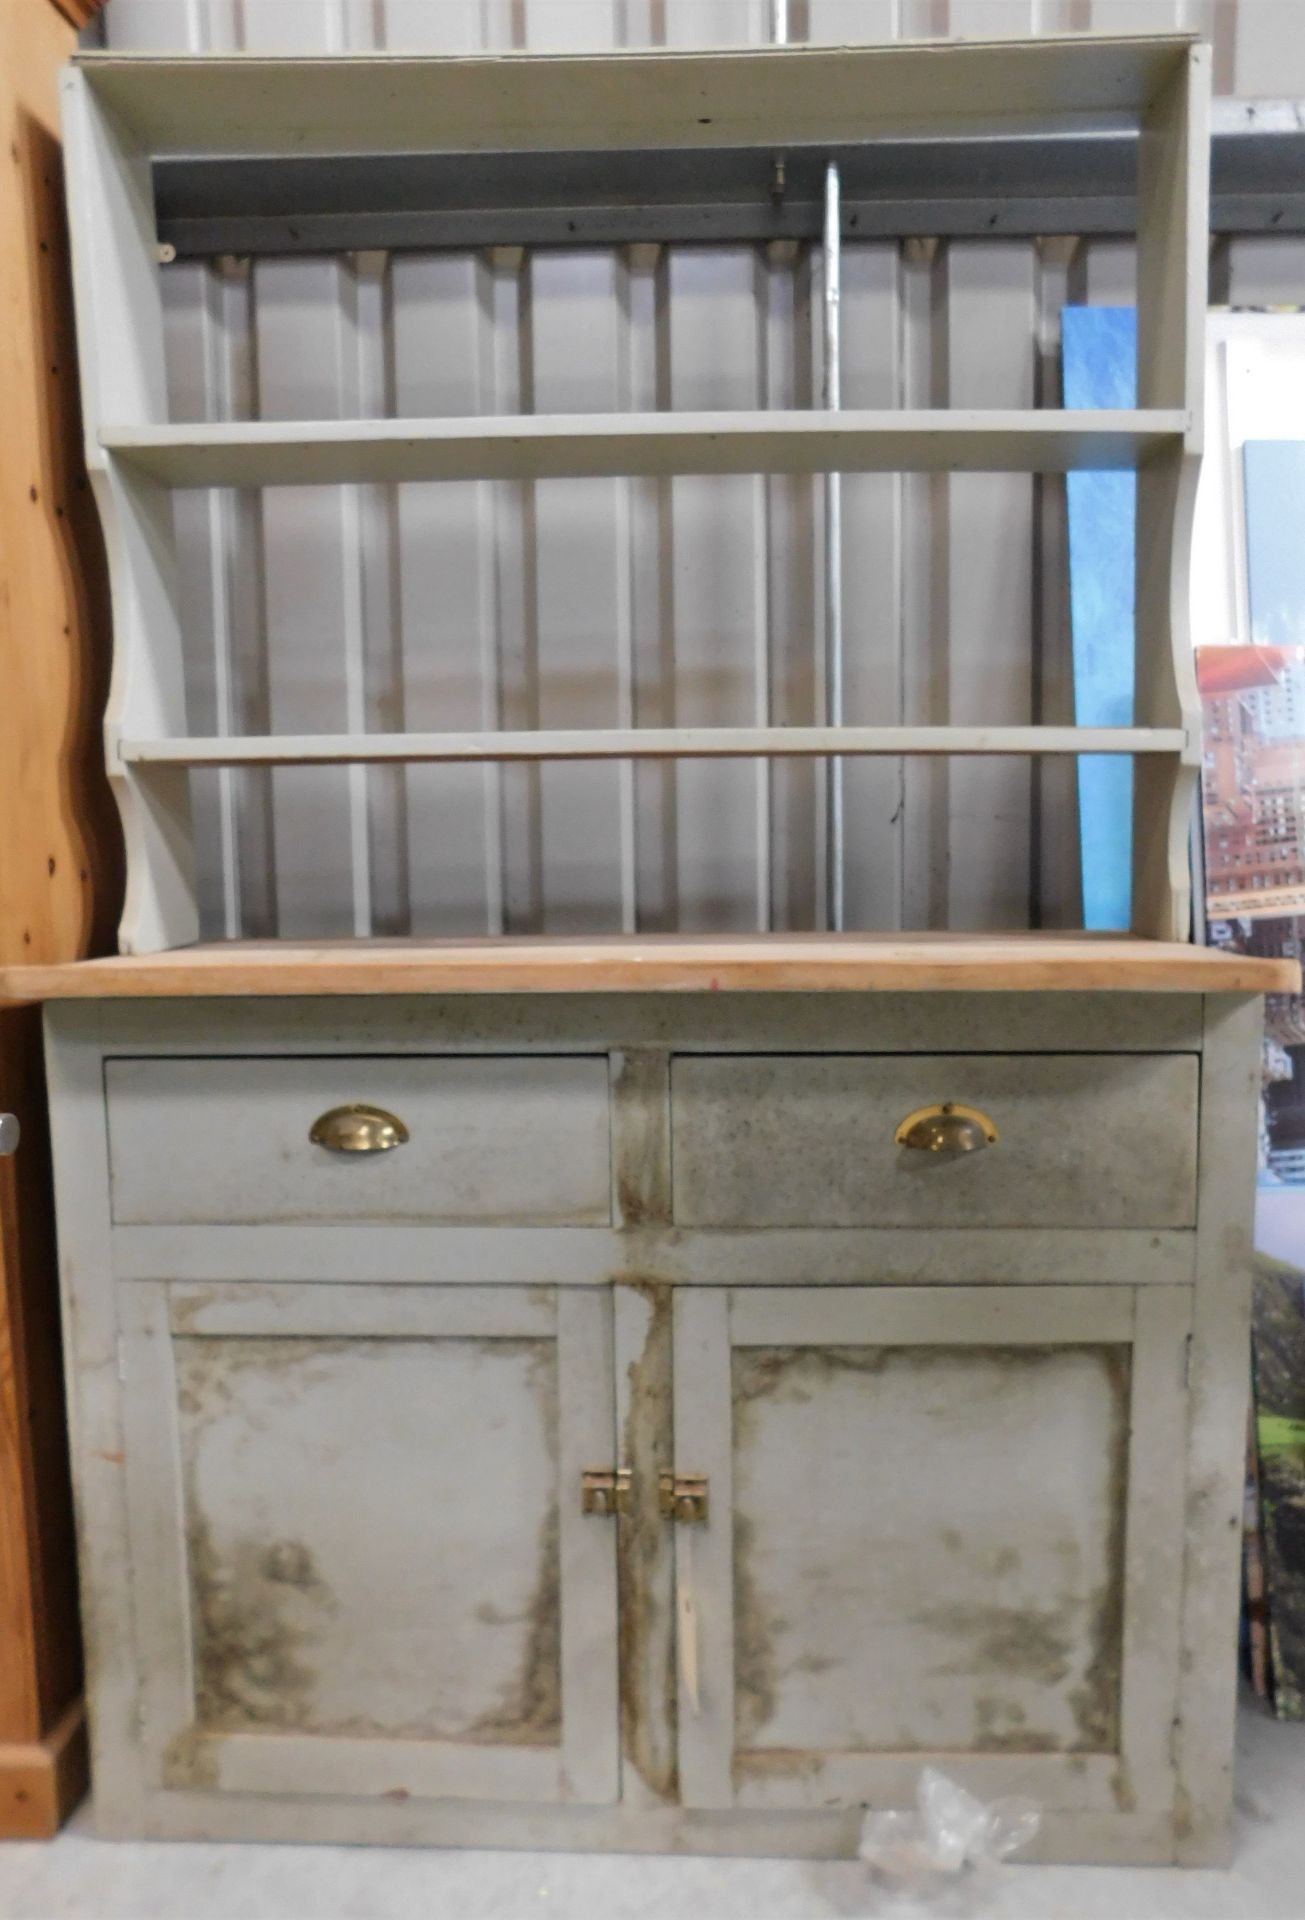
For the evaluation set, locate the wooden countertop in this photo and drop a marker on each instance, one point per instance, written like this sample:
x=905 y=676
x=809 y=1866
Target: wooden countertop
x=808 y=963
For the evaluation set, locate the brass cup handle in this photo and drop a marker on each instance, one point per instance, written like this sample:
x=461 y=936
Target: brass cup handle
x=358 y=1129
x=949 y=1128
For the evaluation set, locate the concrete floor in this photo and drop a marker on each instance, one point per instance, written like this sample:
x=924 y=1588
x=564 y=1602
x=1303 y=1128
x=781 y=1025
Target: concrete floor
x=77 y=1877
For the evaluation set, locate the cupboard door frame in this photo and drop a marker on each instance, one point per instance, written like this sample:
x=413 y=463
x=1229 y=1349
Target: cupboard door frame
x=585 y=1766
x=1153 y=1321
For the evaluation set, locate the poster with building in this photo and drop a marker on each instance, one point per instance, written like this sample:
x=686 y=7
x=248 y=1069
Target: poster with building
x=1253 y=804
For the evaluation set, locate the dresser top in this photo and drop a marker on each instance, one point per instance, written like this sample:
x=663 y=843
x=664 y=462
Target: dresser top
x=806 y=963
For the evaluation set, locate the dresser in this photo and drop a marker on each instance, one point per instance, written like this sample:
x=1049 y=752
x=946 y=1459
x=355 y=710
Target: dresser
x=659 y=1416
x=655 y=1392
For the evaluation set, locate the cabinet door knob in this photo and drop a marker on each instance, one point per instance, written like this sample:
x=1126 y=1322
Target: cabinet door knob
x=358 y=1129
x=949 y=1128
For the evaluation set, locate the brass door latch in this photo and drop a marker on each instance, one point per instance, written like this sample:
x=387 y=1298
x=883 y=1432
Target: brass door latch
x=683 y=1497
x=605 y=1491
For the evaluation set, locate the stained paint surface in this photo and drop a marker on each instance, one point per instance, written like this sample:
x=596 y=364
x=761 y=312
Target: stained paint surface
x=345 y=1589
x=928 y=1549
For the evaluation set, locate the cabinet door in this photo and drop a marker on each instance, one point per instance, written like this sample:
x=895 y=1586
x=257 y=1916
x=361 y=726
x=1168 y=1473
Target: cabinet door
x=359 y=1560
x=943 y=1528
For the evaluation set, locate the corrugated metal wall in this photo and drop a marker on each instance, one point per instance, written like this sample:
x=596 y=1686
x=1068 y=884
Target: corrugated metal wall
x=694 y=601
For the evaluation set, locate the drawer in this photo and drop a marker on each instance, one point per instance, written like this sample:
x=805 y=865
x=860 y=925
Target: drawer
x=225 y=1141
x=788 y=1140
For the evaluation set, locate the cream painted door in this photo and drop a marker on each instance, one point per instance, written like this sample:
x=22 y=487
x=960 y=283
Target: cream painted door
x=942 y=1523
x=359 y=1560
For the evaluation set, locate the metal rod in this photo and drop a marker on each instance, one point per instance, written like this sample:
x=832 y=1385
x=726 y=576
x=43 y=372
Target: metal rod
x=765 y=490
x=833 y=556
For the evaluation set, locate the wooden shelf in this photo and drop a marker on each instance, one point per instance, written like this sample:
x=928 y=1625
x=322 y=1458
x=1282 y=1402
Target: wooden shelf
x=641 y=743
x=542 y=446
x=851 y=963
x=380 y=103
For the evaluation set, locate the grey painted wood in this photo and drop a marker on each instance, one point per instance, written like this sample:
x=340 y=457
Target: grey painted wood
x=896 y=1256
x=123 y=370
x=1087 y=1835
x=601 y=602
x=644 y=1372
x=608 y=743
x=704 y=1555
x=92 y=1360
x=587 y=1564
x=156 y=1523
x=521 y=1024
x=441 y=1643
x=1220 y=1385
x=1153 y=1546
x=911 y=1568
x=356 y=104
x=596 y=446
x=210 y=1367
x=228 y=1141
x=787 y=1140
x=901 y=542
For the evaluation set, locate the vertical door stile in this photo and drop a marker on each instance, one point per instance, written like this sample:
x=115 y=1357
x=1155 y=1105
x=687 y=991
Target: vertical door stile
x=591 y=1758
x=704 y=1553
x=1154 y=1474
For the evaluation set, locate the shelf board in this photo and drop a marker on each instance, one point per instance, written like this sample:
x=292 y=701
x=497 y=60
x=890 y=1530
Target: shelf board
x=791 y=96
x=994 y=186
x=538 y=446
x=640 y=743
x=672 y=963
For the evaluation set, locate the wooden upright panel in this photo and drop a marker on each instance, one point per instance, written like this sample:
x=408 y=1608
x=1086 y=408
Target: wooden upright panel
x=1173 y=222
x=57 y=890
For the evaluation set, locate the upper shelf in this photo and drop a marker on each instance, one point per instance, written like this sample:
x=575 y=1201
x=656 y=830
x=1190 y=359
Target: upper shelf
x=536 y=446
x=381 y=103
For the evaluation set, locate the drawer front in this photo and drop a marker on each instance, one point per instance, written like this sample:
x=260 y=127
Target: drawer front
x=226 y=1141
x=787 y=1140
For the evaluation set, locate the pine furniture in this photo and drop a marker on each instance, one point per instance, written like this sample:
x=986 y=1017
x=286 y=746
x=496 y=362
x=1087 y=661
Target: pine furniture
x=57 y=900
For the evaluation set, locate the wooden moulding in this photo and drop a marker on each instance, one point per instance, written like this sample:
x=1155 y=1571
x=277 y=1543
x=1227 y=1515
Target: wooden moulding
x=41 y=1781
x=856 y=963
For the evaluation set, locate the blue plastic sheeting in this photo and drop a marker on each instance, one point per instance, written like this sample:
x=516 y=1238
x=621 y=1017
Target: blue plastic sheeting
x=1275 y=541
x=1099 y=349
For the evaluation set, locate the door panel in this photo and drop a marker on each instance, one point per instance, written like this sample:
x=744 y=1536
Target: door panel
x=921 y=1540
x=383 y=1582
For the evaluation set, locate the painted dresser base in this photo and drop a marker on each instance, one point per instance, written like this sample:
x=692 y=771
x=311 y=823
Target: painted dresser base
x=972 y=1431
